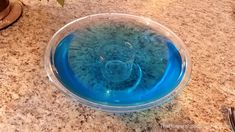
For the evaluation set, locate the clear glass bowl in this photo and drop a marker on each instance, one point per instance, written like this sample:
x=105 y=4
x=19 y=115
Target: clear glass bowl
x=125 y=49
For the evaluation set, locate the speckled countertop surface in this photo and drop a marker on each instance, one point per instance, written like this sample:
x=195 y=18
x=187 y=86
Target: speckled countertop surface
x=29 y=102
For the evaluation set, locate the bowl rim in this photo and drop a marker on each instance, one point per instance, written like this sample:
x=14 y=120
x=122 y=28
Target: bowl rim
x=186 y=65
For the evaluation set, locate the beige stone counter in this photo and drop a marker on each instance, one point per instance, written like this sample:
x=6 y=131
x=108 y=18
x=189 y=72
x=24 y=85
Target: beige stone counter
x=29 y=102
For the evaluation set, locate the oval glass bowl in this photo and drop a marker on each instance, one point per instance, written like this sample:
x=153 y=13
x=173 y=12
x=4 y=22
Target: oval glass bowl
x=117 y=62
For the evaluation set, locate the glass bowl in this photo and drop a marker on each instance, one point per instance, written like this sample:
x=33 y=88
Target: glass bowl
x=117 y=62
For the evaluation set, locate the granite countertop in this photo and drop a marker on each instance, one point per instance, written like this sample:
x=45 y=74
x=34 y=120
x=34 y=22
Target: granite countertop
x=29 y=102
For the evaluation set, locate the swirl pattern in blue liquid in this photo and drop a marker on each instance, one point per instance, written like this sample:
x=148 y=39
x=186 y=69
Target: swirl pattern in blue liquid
x=150 y=70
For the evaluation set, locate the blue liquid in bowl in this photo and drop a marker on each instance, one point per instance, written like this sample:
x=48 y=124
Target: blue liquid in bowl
x=156 y=69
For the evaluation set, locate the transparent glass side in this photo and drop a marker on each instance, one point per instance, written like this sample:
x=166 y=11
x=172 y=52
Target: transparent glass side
x=70 y=27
